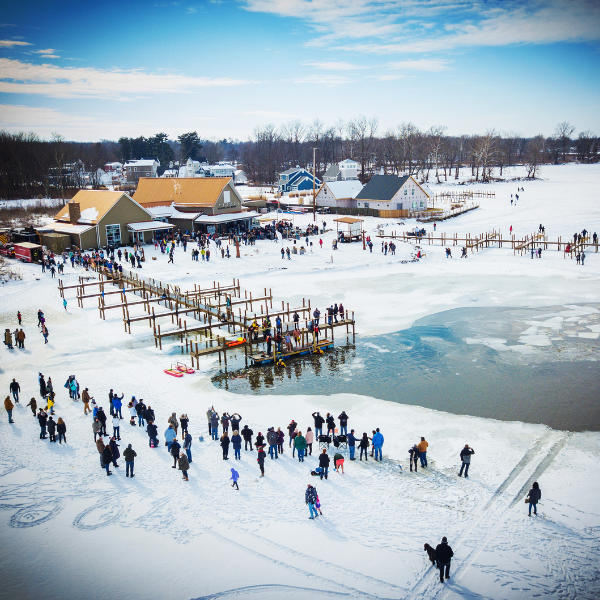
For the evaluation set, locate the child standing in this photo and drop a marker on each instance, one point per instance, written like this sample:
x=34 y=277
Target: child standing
x=234 y=477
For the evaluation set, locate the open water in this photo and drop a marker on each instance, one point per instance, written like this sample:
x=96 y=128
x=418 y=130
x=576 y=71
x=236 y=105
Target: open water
x=440 y=363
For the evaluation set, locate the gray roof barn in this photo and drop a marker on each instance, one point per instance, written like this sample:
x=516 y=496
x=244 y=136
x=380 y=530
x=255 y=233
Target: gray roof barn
x=382 y=187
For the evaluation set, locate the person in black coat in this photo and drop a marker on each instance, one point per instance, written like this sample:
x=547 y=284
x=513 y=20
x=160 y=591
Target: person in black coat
x=140 y=409
x=260 y=439
x=247 y=435
x=152 y=434
x=149 y=414
x=184 y=422
x=61 y=428
x=101 y=416
x=114 y=450
x=225 y=441
x=534 y=495
x=175 y=448
x=330 y=424
x=343 y=423
x=52 y=429
x=444 y=554
x=413 y=454
x=324 y=463
x=42 y=420
x=107 y=458
x=235 y=419
x=319 y=420
x=364 y=445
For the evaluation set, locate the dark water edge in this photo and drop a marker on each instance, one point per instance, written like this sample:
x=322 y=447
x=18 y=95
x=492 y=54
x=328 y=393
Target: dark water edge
x=431 y=365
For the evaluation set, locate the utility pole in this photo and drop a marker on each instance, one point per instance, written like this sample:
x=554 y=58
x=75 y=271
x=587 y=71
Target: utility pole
x=314 y=181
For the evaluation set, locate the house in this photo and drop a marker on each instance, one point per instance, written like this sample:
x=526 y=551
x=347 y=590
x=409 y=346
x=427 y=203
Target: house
x=339 y=194
x=391 y=192
x=342 y=171
x=135 y=169
x=295 y=180
x=240 y=177
x=97 y=218
x=204 y=204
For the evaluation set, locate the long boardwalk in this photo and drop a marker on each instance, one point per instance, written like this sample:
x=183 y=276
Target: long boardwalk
x=218 y=312
x=495 y=238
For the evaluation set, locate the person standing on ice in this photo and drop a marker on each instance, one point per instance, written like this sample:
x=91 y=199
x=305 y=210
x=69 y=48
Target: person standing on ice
x=465 y=457
x=534 y=496
x=443 y=555
x=8 y=405
x=310 y=438
x=61 y=428
x=42 y=420
x=247 y=435
x=175 y=452
x=214 y=425
x=129 y=455
x=152 y=431
x=234 y=477
x=209 y=413
x=300 y=445
x=310 y=497
x=422 y=447
x=225 y=441
x=261 y=457
x=364 y=446
x=319 y=420
x=114 y=450
x=187 y=445
x=170 y=435
x=273 y=440
x=106 y=458
x=378 y=444
x=324 y=463
x=101 y=416
x=352 y=444
x=116 y=427
x=33 y=405
x=15 y=388
x=236 y=441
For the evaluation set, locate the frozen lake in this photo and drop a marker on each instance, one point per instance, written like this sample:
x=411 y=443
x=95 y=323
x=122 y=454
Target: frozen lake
x=530 y=365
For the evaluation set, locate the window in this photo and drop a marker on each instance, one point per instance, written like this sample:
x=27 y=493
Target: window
x=366 y=205
x=412 y=192
x=406 y=191
x=113 y=234
x=227 y=196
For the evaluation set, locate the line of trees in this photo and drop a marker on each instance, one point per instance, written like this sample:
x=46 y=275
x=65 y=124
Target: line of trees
x=30 y=166
x=430 y=154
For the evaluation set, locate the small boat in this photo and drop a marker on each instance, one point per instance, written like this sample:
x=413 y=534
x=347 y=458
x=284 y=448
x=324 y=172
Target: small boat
x=237 y=342
x=173 y=372
x=184 y=369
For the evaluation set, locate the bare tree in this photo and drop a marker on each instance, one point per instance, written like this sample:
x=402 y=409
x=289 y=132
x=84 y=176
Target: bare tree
x=362 y=132
x=563 y=133
x=534 y=155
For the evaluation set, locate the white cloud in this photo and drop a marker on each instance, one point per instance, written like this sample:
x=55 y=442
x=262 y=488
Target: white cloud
x=407 y=26
x=333 y=66
x=11 y=43
x=50 y=56
x=423 y=64
x=17 y=77
x=46 y=51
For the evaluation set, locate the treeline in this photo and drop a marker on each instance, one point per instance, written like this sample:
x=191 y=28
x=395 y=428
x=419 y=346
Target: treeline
x=429 y=155
x=30 y=166
x=55 y=168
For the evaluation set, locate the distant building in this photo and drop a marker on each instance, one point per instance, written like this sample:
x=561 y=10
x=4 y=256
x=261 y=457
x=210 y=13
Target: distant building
x=204 y=204
x=390 y=192
x=96 y=219
x=296 y=180
x=339 y=194
x=240 y=177
x=342 y=171
x=135 y=169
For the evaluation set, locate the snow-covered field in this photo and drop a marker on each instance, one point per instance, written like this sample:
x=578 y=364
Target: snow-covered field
x=69 y=531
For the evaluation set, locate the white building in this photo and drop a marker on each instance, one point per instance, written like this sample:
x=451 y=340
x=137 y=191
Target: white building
x=338 y=193
x=390 y=192
x=343 y=171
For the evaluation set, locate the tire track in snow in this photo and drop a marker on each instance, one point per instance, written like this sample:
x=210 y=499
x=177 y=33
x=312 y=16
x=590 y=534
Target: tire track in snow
x=428 y=585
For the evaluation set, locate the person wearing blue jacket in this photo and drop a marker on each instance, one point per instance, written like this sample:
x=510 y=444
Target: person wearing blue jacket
x=377 y=444
x=234 y=477
x=169 y=437
x=352 y=444
x=236 y=441
x=117 y=404
x=187 y=446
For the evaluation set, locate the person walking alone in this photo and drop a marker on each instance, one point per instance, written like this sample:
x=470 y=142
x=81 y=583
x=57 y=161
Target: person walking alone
x=261 y=458
x=465 y=457
x=234 y=477
x=534 y=496
x=443 y=555
x=15 y=388
x=61 y=429
x=310 y=497
x=8 y=405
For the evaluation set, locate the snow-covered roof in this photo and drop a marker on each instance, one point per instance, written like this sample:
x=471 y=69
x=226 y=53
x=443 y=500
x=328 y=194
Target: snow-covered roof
x=149 y=226
x=58 y=227
x=141 y=163
x=226 y=218
x=344 y=189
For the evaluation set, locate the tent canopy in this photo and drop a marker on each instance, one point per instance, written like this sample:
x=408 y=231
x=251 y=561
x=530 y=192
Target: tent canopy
x=149 y=226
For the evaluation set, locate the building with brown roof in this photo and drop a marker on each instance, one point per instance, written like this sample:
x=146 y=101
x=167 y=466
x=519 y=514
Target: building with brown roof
x=205 y=204
x=97 y=218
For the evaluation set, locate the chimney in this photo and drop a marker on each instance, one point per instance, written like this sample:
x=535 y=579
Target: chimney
x=74 y=212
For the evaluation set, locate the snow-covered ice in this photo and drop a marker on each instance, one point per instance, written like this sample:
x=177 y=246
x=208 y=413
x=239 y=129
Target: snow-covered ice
x=68 y=531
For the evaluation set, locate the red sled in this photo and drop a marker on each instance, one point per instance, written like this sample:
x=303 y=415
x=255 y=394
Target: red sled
x=184 y=369
x=173 y=372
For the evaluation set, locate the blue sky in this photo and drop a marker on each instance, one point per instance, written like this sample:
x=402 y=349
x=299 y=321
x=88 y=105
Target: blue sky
x=223 y=67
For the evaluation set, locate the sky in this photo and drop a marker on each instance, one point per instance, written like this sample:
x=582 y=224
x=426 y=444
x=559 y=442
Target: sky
x=92 y=71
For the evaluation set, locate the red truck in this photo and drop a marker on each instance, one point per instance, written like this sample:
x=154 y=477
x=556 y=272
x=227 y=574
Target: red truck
x=28 y=252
